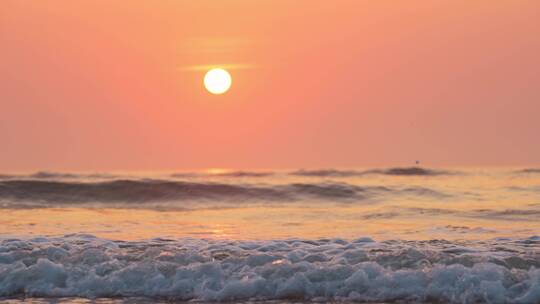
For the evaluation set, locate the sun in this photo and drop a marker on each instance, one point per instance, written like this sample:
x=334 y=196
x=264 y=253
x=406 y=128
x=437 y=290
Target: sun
x=217 y=81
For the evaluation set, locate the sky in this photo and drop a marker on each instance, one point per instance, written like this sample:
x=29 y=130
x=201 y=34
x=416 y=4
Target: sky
x=118 y=85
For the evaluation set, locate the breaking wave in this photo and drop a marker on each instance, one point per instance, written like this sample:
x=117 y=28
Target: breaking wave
x=161 y=190
x=496 y=271
x=135 y=193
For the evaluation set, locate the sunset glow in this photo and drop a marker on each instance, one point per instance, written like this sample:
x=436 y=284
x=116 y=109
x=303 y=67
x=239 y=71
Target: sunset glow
x=269 y=151
x=114 y=85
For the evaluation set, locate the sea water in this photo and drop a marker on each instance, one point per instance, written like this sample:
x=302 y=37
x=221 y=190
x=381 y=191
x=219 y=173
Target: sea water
x=373 y=235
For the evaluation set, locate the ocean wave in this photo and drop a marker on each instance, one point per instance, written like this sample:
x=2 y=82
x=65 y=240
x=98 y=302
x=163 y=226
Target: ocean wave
x=136 y=193
x=161 y=190
x=507 y=214
x=244 y=174
x=50 y=193
x=327 y=173
x=491 y=214
x=496 y=271
x=52 y=175
x=529 y=170
x=411 y=171
x=394 y=212
x=222 y=174
x=398 y=171
x=47 y=175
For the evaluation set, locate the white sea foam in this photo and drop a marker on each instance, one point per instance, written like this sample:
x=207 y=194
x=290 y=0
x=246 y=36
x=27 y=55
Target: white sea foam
x=498 y=271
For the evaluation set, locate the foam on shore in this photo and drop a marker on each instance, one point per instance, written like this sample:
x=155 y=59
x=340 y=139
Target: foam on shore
x=496 y=271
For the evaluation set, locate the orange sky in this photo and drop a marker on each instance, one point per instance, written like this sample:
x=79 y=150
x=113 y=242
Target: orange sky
x=117 y=85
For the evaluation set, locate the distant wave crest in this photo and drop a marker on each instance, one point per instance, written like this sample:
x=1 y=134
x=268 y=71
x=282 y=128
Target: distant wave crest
x=406 y=171
x=530 y=170
x=48 y=175
x=223 y=174
x=397 y=171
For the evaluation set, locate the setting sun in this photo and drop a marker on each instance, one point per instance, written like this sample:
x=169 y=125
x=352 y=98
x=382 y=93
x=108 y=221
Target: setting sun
x=217 y=81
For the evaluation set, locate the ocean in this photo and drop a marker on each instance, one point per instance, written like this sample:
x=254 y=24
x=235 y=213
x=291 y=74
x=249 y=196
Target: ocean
x=412 y=234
